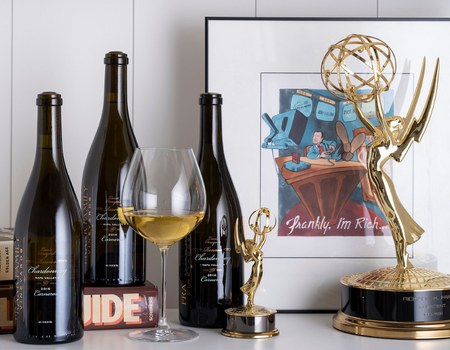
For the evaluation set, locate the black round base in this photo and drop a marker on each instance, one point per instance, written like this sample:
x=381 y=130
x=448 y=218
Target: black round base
x=396 y=306
x=394 y=314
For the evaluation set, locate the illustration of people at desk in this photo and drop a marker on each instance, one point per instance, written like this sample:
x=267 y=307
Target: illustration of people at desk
x=322 y=174
x=320 y=148
x=323 y=149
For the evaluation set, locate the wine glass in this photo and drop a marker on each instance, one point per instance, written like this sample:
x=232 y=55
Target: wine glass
x=163 y=199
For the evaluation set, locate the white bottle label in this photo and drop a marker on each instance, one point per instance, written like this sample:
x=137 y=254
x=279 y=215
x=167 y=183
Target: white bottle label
x=214 y=256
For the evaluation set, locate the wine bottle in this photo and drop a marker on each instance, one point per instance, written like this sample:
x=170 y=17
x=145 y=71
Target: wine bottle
x=114 y=254
x=47 y=247
x=211 y=272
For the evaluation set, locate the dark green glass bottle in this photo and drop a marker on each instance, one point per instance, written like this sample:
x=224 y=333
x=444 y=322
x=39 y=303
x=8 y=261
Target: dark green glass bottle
x=47 y=247
x=211 y=272
x=114 y=254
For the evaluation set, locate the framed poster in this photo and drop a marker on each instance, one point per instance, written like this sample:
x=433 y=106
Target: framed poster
x=293 y=147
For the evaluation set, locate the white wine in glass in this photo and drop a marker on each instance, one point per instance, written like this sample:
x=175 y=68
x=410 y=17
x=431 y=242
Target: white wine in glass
x=163 y=227
x=163 y=199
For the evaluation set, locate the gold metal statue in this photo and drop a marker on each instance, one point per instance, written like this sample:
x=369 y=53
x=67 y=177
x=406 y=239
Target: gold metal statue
x=252 y=321
x=401 y=301
x=396 y=135
x=251 y=251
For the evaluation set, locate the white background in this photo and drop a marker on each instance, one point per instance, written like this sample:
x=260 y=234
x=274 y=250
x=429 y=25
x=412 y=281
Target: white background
x=59 y=45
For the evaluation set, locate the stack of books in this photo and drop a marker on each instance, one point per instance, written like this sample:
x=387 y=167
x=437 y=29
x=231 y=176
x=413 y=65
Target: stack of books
x=6 y=280
x=120 y=307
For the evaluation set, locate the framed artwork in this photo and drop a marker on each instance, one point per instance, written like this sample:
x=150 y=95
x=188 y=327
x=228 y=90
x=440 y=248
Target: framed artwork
x=295 y=148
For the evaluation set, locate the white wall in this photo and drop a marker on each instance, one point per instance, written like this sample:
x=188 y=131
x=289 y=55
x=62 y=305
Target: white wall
x=59 y=45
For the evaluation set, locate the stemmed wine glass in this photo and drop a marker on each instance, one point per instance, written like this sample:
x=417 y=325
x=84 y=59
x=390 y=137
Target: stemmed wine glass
x=163 y=199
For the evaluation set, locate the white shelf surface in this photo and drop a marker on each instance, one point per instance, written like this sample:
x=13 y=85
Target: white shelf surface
x=299 y=331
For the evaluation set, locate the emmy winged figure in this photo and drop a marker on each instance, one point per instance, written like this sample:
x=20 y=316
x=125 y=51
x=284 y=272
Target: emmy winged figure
x=402 y=301
x=251 y=250
x=395 y=134
x=252 y=321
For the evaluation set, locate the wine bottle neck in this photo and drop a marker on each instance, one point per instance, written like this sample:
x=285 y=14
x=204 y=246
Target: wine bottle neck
x=211 y=128
x=49 y=142
x=115 y=97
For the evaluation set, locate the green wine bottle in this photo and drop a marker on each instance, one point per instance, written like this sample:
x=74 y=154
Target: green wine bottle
x=211 y=272
x=47 y=247
x=114 y=254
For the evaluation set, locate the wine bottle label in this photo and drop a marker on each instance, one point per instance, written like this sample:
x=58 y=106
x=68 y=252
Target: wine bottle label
x=87 y=224
x=45 y=269
x=37 y=273
x=19 y=277
x=109 y=218
x=186 y=287
x=213 y=256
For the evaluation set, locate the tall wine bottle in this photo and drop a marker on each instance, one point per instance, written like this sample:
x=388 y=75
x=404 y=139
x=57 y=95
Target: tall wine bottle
x=47 y=247
x=211 y=272
x=114 y=254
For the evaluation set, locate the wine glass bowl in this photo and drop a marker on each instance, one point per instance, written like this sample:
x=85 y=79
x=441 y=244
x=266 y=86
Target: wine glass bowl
x=163 y=199
x=163 y=227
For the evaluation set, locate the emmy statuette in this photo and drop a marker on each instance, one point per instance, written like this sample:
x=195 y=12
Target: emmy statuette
x=403 y=301
x=252 y=321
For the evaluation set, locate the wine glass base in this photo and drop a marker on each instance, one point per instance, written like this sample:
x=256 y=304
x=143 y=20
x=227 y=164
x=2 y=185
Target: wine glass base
x=163 y=335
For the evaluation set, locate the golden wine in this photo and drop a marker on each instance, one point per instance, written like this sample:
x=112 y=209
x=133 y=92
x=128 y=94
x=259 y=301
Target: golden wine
x=163 y=227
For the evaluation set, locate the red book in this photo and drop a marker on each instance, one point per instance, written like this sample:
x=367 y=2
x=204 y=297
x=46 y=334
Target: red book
x=120 y=307
x=296 y=157
x=6 y=308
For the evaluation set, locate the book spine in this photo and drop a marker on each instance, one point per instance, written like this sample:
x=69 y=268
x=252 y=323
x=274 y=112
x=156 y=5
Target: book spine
x=120 y=307
x=6 y=260
x=6 y=309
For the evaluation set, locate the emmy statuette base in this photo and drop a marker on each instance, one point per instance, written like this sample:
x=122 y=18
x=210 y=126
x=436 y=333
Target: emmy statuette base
x=243 y=335
x=395 y=303
x=257 y=323
x=389 y=329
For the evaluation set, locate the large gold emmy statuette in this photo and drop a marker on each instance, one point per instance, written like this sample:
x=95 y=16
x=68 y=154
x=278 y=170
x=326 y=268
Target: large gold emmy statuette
x=402 y=301
x=252 y=321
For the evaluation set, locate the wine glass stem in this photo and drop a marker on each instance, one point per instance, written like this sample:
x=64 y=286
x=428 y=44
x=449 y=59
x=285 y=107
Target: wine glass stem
x=162 y=318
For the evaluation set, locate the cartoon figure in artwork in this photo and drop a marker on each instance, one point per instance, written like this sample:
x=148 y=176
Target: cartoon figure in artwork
x=323 y=149
x=320 y=148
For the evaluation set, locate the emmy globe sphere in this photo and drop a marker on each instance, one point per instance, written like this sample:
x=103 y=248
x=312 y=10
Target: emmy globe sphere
x=342 y=66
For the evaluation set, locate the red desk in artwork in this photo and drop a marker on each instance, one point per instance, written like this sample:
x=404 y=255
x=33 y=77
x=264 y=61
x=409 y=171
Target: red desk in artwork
x=325 y=187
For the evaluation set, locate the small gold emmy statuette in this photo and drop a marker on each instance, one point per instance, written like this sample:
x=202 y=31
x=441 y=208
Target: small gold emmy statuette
x=252 y=321
x=403 y=301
